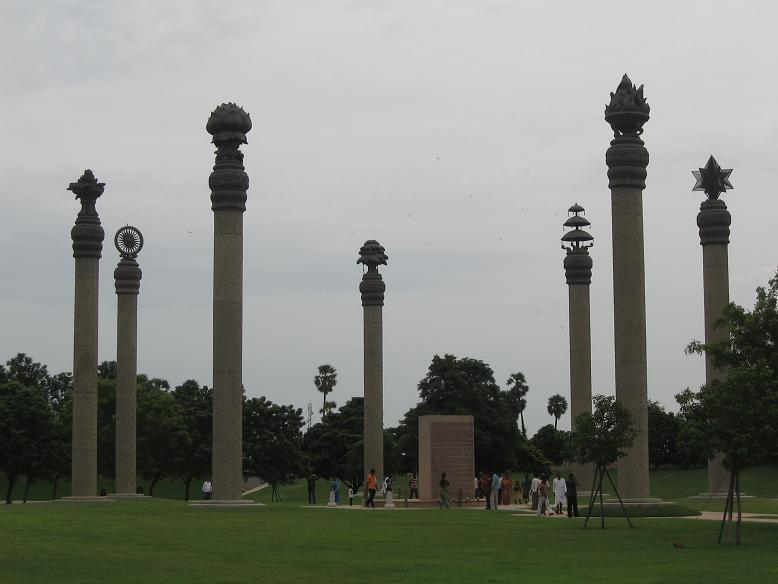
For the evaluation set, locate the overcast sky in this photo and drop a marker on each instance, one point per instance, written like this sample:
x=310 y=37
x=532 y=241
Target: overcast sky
x=455 y=133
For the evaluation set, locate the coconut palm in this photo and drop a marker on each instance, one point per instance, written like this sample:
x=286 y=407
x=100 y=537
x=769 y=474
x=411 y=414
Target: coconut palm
x=557 y=406
x=517 y=395
x=325 y=382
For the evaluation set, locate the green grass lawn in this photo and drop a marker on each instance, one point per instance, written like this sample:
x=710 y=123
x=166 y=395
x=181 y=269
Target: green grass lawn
x=166 y=542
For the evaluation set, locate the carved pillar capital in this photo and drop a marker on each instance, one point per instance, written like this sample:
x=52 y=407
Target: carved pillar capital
x=87 y=234
x=228 y=124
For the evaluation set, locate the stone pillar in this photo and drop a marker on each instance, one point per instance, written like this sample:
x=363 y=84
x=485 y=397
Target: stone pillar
x=127 y=276
x=87 y=236
x=713 y=221
x=228 y=124
x=578 y=273
x=627 y=160
x=372 y=289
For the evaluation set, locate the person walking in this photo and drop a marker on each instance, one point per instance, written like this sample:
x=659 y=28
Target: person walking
x=413 y=486
x=207 y=490
x=543 y=488
x=443 y=484
x=312 y=478
x=372 y=485
x=534 y=493
x=350 y=496
x=495 y=491
x=560 y=491
x=525 y=487
x=572 y=496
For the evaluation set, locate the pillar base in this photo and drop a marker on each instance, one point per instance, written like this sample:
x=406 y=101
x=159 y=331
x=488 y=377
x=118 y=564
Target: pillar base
x=638 y=502
x=127 y=496
x=719 y=496
x=225 y=503
x=83 y=499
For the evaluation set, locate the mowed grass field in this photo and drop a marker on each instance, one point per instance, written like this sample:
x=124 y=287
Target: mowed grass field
x=167 y=541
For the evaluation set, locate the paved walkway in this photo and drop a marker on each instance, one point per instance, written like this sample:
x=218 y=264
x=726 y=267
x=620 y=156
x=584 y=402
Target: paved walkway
x=750 y=517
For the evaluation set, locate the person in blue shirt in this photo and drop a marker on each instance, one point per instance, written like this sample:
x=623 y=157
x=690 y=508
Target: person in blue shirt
x=495 y=490
x=335 y=486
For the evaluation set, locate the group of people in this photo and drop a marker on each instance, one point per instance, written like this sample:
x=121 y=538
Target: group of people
x=565 y=493
x=496 y=488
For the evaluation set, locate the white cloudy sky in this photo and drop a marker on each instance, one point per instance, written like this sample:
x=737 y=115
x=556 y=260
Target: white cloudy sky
x=456 y=133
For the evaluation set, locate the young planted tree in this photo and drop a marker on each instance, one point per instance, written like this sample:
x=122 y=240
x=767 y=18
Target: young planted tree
x=325 y=382
x=517 y=395
x=557 y=406
x=738 y=416
x=602 y=438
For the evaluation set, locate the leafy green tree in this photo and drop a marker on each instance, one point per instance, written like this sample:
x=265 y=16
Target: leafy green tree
x=663 y=430
x=517 y=396
x=325 y=382
x=602 y=438
x=334 y=446
x=108 y=370
x=161 y=432
x=25 y=371
x=27 y=433
x=557 y=406
x=106 y=427
x=466 y=386
x=551 y=442
x=193 y=458
x=273 y=441
x=738 y=416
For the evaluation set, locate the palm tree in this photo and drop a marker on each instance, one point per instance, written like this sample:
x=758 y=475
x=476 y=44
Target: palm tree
x=325 y=382
x=517 y=395
x=557 y=406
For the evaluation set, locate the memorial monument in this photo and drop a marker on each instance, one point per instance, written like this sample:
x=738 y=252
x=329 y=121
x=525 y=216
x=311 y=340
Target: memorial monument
x=228 y=124
x=446 y=445
x=627 y=160
x=127 y=276
x=713 y=221
x=87 y=236
x=578 y=273
x=372 y=288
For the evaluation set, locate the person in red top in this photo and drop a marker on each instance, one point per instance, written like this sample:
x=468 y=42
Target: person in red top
x=372 y=484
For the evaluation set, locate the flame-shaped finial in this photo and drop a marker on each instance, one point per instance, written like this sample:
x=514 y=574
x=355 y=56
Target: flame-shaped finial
x=628 y=109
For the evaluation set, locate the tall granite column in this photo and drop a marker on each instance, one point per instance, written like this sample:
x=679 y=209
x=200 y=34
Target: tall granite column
x=627 y=160
x=228 y=124
x=578 y=273
x=713 y=221
x=127 y=276
x=372 y=288
x=87 y=236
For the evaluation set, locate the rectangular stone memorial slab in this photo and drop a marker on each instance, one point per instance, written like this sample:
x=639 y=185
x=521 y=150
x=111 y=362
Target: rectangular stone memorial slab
x=446 y=445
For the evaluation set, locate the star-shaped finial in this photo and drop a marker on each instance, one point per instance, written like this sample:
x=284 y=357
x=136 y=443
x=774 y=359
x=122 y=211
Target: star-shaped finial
x=712 y=179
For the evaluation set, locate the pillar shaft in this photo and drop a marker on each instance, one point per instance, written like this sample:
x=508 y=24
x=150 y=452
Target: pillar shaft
x=580 y=367
x=227 y=354
x=84 y=448
x=87 y=236
x=374 y=390
x=126 y=389
x=713 y=221
x=629 y=323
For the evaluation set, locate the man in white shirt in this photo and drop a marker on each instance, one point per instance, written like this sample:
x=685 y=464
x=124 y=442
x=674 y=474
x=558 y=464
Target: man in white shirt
x=533 y=489
x=560 y=492
x=207 y=489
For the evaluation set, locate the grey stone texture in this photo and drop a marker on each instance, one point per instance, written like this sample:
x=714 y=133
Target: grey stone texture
x=127 y=276
x=578 y=274
x=87 y=236
x=713 y=222
x=372 y=289
x=627 y=160
x=228 y=124
x=446 y=445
